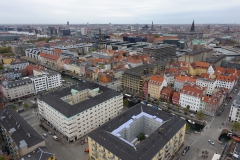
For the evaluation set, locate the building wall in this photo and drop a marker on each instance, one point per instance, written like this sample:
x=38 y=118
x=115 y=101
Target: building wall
x=81 y=123
x=193 y=102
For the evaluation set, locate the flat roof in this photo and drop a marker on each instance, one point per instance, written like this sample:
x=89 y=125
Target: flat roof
x=148 y=148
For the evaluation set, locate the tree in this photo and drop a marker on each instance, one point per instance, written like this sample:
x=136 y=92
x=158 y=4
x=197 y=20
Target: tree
x=156 y=36
x=200 y=114
x=141 y=136
x=14 y=107
x=124 y=54
x=186 y=110
x=168 y=105
x=236 y=126
x=2 y=158
x=125 y=103
x=178 y=107
x=188 y=128
x=26 y=106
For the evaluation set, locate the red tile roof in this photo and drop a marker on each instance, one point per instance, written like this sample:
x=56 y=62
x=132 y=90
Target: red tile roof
x=195 y=90
x=156 y=78
x=185 y=79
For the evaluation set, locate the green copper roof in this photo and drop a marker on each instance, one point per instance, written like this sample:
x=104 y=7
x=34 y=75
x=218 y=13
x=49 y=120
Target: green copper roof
x=96 y=90
x=74 y=91
x=198 y=41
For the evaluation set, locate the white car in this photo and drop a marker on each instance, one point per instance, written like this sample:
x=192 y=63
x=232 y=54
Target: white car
x=225 y=104
x=211 y=142
x=192 y=115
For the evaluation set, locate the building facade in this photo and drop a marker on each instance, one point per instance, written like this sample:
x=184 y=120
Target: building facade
x=155 y=85
x=197 y=55
x=17 y=89
x=79 y=109
x=19 y=65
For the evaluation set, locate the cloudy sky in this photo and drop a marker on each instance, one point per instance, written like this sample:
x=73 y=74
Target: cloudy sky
x=119 y=11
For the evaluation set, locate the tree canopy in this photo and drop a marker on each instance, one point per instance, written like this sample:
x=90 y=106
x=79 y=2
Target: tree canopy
x=200 y=114
x=236 y=126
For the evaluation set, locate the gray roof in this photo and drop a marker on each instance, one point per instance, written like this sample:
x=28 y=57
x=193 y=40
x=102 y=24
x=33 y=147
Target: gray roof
x=232 y=65
x=53 y=98
x=195 y=52
x=237 y=150
x=41 y=153
x=215 y=59
x=21 y=132
x=20 y=62
x=148 y=148
x=16 y=83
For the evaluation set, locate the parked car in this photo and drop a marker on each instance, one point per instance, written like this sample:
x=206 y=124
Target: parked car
x=185 y=150
x=44 y=135
x=49 y=132
x=55 y=138
x=211 y=142
x=86 y=150
x=164 y=106
x=225 y=104
x=192 y=115
x=219 y=113
x=181 y=111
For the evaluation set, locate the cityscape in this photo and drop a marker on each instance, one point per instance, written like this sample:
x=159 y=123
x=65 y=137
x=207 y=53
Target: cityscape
x=152 y=90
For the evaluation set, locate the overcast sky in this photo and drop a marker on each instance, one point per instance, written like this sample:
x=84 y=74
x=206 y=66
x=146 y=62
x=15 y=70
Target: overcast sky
x=119 y=11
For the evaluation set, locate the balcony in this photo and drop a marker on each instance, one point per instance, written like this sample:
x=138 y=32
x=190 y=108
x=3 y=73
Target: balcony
x=160 y=157
x=167 y=148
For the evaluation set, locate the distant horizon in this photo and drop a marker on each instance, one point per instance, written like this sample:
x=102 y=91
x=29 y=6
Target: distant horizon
x=126 y=12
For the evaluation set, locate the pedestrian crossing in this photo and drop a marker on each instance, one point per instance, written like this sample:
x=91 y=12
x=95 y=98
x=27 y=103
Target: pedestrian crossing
x=31 y=116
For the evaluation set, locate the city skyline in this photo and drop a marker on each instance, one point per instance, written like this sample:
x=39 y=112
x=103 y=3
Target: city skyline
x=104 y=12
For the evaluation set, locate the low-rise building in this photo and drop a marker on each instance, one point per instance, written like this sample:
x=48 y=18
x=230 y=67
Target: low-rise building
x=197 y=55
x=17 y=89
x=121 y=138
x=209 y=83
x=180 y=81
x=166 y=93
x=155 y=85
x=190 y=95
x=18 y=137
x=41 y=153
x=19 y=65
x=79 y=109
x=226 y=81
x=197 y=68
x=176 y=98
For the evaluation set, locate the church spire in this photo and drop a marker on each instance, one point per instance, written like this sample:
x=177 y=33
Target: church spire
x=192 y=27
x=152 y=26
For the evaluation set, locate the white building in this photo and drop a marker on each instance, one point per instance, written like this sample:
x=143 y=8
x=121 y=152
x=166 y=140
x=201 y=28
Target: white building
x=190 y=95
x=210 y=84
x=84 y=31
x=46 y=81
x=19 y=65
x=77 y=110
x=17 y=89
x=211 y=70
x=226 y=81
x=234 y=114
x=169 y=78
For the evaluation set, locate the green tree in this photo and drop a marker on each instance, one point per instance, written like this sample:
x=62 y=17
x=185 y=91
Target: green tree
x=156 y=36
x=26 y=106
x=14 y=107
x=178 y=107
x=168 y=105
x=188 y=128
x=1 y=67
x=236 y=126
x=141 y=136
x=186 y=110
x=125 y=103
x=2 y=158
x=200 y=114
x=124 y=54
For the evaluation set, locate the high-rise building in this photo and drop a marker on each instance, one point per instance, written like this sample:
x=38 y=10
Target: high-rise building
x=84 y=31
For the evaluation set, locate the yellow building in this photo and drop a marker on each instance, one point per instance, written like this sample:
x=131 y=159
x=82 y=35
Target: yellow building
x=197 y=68
x=121 y=138
x=155 y=85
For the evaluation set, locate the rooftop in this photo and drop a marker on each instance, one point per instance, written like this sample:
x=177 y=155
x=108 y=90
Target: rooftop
x=147 y=149
x=54 y=98
x=23 y=134
x=41 y=153
x=195 y=52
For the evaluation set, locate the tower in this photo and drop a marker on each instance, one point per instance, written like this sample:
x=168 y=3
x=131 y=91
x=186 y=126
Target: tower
x=192 y=27
x=100 y=44
x=152 y=26
x=67 y=23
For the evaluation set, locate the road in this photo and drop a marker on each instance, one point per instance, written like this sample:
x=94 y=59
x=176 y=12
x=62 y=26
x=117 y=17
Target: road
x=113 y=85
x=62 y=151
x=213 y=129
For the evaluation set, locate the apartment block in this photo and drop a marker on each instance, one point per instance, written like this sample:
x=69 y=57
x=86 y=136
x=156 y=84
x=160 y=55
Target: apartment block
x=46 y=81
x=155 y=85
x=180 y=81
x=234 y=114
x=119 y=138
x=226 y=81
x=209 y=83
x=17 y=89
x=133 y=79
x=19 y=65
x=197 y=68
x=18 y=137
x=79 y=109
